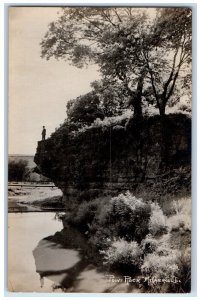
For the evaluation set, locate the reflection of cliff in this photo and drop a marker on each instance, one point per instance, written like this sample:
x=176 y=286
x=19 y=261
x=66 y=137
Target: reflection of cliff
x=66 y=259
x=152 y=152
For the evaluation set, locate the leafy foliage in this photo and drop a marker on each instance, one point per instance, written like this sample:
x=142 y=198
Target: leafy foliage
x=157 y=222
x=164 y=262
x=142 y=50
x=84 y=109
x=122 y=253
x=161 y=266
x=130 y=216
x=17 y=170
x=181 y=219
x=174 y=44
x=113 y=96
x=160 y=252
x=107 y=99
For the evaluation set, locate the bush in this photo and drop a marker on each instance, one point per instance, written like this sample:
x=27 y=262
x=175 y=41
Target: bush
x=184 y=272
x=123 y=254
x=157 y=222
x=181 y=219
x=17 y=170
x=164 y=262
x=136 y=237
x=128 y=216
x=149 y=244
x=160 y=261
x=160 y=266
x=123 y=216
x=85 y=214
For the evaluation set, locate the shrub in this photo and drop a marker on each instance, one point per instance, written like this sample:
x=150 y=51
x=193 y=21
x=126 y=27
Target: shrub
x=136 y=236
x=85 y=214
x=184 y=272
x=149 y=244
x=177 y=222
x=181 y=219
x=157 y=222
x=123 y=216
x=164 y=262
x=122 y=253
x=160 y=266
x=100 y=237
x=129 y=216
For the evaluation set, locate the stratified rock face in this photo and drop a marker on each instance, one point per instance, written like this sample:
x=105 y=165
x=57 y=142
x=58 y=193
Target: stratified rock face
x=110 y=160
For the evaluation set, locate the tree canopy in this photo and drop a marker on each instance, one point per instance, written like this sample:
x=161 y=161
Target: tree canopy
x=84 y=109
x=106 y=99
x=138 y=48
x=17 y=170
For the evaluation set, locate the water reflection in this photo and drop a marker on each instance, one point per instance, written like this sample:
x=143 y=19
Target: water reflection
x=67 y=260
x=45 y=257
x=25 y=230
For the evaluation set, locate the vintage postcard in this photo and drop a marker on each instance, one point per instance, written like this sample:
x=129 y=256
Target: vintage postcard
x=99 y=167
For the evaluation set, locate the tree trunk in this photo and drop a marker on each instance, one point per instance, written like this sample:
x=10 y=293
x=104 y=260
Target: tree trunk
x=162 y=106
x=162 y=110
x=136 y=100
x=137 y=107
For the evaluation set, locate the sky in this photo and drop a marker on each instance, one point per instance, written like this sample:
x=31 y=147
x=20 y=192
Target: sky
x=38 y=89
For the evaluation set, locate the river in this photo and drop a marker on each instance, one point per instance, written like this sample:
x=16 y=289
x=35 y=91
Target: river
x=45 y=257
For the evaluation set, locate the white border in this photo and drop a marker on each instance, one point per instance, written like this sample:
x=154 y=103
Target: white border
x=3 y=150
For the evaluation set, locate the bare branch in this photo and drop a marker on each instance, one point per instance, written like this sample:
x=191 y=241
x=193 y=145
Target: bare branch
x=152 y=76
x=107 y=17
x=116 y=13
x=171 y=74
x=172 y=87
x=128 y=10
x=92 y=22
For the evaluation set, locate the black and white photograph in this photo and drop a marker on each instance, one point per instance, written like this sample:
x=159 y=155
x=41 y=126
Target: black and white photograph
x=99 y=149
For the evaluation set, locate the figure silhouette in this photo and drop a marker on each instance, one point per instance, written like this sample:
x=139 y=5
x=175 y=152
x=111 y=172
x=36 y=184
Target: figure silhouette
x=43 y=133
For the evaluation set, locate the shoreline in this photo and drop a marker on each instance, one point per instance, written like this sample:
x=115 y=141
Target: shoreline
x=31 y=197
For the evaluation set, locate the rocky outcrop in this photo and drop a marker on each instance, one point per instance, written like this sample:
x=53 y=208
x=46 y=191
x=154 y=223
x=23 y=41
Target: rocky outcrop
x=150 y=153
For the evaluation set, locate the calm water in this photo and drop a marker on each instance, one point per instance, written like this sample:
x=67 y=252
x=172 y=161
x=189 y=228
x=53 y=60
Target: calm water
x=44 y=257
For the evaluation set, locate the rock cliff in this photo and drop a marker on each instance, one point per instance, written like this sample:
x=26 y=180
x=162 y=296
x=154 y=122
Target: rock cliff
x=150 y=153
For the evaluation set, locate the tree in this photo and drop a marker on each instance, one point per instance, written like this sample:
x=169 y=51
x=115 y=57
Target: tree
x=171 y=59
x=84 y=109
x=107 y=99
x=130 y=45
x=17 y=170
x=113 y=95
x=110 y=37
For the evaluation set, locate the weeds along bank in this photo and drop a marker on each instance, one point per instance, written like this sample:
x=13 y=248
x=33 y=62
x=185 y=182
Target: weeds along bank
x=139 y=238
x=126 y=186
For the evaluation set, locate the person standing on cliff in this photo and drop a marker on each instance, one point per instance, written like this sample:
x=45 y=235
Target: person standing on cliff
x=43 y=133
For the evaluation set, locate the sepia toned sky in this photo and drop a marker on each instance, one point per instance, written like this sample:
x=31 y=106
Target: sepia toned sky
x=38 y=89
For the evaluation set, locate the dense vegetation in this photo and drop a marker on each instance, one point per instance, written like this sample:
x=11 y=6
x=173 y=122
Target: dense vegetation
x=143 y=53
x=138 y=238
x=17 y=170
